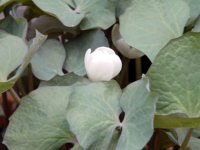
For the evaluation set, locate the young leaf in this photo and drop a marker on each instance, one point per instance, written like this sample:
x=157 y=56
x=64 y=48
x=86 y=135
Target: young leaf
x=48 y=60
x=148 y=25
x=77 y=48
x=138 y=103
x=175 y=76
x=40 y=122
x=93 y=113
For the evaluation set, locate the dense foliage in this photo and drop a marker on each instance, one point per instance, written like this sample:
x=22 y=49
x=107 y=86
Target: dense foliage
x=51 y=103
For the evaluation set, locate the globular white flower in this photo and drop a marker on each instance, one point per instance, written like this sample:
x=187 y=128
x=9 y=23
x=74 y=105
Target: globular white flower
x=102 y=64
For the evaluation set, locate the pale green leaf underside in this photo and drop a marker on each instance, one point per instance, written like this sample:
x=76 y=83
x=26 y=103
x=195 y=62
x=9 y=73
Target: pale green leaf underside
x=40 y=122
x=177 y=83
x=138 y=103
x=48 y=61
x=148 y=25
x=77 y=48
x=93 y=113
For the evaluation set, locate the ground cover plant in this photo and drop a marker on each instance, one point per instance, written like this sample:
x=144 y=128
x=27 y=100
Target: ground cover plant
x=100 y=74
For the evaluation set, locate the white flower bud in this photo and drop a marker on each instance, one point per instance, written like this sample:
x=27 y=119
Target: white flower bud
x=102 y=64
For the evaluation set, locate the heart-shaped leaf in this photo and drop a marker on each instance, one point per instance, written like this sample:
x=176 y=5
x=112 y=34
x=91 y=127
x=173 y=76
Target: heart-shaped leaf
x=12 y=55
x=148 y=25
x=138 y=103
x=93 y=113
x=12 y=50
x=49 y=60
x=40 y=122
x=177 y=84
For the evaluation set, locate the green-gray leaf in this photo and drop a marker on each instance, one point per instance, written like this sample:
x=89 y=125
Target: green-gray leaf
x=175 y=82
x=12 y=50
x=49 y=60
x=62 y=10
x=77 y=48
x=15 y=26
x=93 y=113
x=91 y=14
x=138 y=103
x=38 y=40
x=66 y=80
x=148 y=25
x=194 y=10
x=40 y=122
x=122 y=5
x=98 y=13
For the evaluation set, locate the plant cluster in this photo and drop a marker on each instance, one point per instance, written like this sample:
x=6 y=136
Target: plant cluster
x=58 y=59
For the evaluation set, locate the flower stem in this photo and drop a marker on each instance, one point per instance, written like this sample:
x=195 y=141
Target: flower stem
x=138 y=68
x=186 y=140
x=30 y=79
x=15 y=95
x=123 y=77
x=21 y=86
